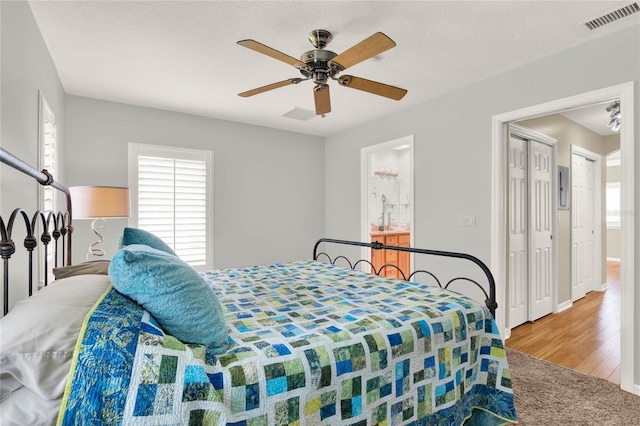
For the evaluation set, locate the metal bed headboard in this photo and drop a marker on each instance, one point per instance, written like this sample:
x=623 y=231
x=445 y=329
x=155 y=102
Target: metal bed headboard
x=490 y=300
x=55 y=226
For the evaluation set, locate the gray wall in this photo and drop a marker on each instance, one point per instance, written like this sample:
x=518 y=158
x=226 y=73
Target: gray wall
x=453 y=145
x=268 y=184
x=26 y=68
x=255 y=201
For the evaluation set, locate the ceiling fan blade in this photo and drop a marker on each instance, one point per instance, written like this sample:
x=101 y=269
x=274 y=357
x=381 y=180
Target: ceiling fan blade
x=374 y=87
x=266 y=50
x=364 y=50
x=322 y=98
x=270 y=87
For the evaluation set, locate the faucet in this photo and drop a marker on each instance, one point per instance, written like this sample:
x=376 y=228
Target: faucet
x=384 y=200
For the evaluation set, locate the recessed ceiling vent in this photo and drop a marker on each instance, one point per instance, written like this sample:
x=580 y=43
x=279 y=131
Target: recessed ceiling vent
x=623 y=12
x=300 y=114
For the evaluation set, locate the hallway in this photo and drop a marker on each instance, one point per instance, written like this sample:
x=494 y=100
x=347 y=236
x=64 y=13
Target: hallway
x=585 y=337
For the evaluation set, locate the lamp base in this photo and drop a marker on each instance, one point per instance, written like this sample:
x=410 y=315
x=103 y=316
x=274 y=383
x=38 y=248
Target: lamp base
x=93 y=250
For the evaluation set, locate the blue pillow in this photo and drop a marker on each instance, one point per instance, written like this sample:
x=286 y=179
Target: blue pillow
x=139 y=236
x=173 y=293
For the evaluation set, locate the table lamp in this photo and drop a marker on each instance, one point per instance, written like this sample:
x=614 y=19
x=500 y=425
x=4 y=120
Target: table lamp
x=98 y=203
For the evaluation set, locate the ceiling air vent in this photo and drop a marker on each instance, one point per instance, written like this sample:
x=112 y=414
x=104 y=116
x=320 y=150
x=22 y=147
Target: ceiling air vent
x=300 y=114
x=623 y=12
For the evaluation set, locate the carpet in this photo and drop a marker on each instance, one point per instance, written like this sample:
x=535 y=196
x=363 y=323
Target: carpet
x=548 y=394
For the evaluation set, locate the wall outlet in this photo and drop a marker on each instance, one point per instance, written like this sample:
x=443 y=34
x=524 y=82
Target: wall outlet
x=467 y=220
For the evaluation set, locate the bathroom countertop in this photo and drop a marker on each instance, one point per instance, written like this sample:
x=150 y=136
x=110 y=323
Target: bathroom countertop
x=389 y=232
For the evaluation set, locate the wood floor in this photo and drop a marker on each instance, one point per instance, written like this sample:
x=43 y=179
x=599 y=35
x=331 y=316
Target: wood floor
x=585 y=337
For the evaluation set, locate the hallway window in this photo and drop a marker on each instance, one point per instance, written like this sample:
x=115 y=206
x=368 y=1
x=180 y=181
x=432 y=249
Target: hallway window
x=613 y=205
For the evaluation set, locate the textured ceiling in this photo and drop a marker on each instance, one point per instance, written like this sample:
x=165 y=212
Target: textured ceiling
x=182 y=55
x=594 y=118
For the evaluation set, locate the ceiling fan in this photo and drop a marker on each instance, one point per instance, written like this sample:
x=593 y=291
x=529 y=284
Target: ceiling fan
x=320 y=65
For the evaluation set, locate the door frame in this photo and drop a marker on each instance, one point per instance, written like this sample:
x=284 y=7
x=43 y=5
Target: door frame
x=626 y=94
x=365 y=174
x=597 y=216
x=533 y=135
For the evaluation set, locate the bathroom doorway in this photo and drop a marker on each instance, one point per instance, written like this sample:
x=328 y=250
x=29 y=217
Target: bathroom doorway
x=387 y=204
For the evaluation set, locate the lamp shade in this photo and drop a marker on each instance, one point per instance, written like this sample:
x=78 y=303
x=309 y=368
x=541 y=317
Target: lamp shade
x=92 y=202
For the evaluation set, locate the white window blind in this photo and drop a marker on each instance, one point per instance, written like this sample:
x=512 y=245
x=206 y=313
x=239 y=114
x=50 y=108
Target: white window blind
x=613 y=204
x=49 y=163
x=47 y=153
x=47 y=196
x=172 y=199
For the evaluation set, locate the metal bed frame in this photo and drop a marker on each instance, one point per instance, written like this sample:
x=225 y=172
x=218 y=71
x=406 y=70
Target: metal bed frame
x=54 y=226
x=490 y=300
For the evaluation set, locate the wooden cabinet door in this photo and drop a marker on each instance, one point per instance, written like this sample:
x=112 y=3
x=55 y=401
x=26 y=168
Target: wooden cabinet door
x=380 y=258
x=377 y=256
x=391 y=257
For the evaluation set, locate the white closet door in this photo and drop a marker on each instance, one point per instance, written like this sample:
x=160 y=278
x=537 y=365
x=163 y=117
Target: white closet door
x=518 y=232
x=589 y=225
x=541 y=259
x=579 y=231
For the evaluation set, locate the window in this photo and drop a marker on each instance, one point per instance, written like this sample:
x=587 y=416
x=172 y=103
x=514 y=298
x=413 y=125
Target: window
x=613 y=204
x=172 y=197
x=47 y=153
x=47 y=196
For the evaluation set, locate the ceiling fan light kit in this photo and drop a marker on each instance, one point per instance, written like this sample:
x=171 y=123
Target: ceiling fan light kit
x=614 y=116
x=320 y=66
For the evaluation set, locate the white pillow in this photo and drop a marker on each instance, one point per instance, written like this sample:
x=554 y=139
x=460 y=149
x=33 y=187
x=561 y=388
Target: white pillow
x=8 y=385
x=24 y=407
x=38 y=336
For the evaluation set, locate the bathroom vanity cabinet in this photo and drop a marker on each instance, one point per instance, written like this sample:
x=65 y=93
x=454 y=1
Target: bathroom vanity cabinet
x=379 y=258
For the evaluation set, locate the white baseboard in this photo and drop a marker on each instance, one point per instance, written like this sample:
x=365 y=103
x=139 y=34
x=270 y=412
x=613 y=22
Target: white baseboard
x=564 y=306
x=506 y=333
x=613 y=259
x=603 y=287
x=636 y=389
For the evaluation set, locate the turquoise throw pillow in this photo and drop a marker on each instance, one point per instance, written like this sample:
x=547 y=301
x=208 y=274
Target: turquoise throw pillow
x=173 y=292
x=139 y=236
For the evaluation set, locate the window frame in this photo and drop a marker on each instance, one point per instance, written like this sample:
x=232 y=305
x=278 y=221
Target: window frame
x=46 y=117
x=136 y=149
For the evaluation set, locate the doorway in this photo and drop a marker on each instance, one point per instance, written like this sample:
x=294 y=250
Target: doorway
x=387 y=193
x=625 y=94
x=586 y=251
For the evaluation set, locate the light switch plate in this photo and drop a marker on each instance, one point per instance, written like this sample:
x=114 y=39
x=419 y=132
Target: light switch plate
x=467 y=220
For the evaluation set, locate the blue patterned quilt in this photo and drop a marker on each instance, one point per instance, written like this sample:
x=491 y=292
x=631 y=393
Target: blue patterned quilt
x=311 y=344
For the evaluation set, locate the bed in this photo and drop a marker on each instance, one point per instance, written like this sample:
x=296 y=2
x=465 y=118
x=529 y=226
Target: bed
x=311 y=342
